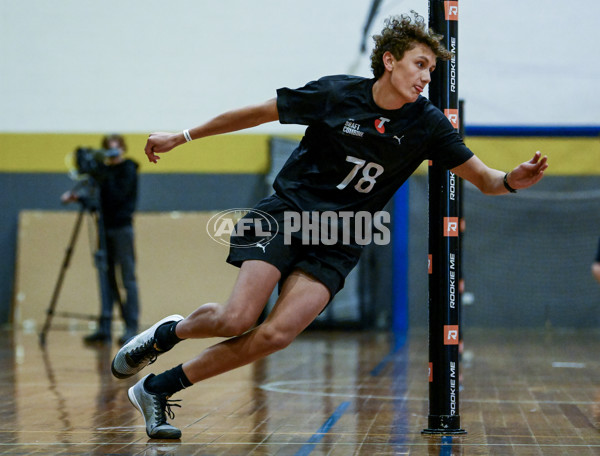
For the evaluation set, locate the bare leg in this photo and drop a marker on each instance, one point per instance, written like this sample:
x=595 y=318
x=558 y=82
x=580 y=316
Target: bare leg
x=301 y=300
x=253 y=287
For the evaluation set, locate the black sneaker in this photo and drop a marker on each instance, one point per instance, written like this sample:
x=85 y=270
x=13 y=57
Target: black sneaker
x=154 y=409
x=97 y=338
x=127 y=336
x=139 y=351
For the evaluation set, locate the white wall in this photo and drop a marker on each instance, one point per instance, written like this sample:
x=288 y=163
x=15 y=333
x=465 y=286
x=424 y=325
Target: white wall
x=142 y=65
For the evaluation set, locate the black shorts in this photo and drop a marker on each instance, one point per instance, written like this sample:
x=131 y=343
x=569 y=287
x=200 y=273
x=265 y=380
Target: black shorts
x=598 y=253
x=329 y=264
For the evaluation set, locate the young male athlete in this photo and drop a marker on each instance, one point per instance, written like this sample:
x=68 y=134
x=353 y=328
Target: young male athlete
x=365 y=137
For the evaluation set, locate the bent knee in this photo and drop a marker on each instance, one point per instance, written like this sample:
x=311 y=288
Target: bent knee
x=231 y=327
x=274 y=339
x=220 y=322
x=231 y=324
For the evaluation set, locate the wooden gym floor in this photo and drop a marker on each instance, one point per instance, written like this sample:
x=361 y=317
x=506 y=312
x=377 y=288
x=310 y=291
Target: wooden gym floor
x=329 y=393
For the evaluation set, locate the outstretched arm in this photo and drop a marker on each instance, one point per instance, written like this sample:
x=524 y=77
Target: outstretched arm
x=491 y=181
x=238 y=119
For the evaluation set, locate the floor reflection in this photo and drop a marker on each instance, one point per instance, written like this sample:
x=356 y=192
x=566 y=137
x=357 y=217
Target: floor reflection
x=329 y=393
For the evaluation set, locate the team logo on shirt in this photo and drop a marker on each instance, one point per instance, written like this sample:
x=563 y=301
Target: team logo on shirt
x=380 y=124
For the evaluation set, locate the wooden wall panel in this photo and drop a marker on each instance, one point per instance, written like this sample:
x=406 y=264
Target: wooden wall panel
x=178 y=266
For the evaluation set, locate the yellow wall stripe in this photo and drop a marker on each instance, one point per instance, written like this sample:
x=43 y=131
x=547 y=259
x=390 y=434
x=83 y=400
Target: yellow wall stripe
x=234 y=153
x=566 y=156
x=249 y=153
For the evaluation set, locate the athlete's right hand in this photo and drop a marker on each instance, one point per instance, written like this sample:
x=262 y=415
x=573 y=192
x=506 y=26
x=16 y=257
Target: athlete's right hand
x=161 y=142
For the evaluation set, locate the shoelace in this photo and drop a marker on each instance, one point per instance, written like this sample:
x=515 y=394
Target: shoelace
x=162 y=407
x=143 y=353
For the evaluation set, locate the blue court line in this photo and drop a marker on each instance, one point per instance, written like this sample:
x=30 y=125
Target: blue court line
x=327 y=425
x=446 y=448
x=399 y=341
x=377 y=369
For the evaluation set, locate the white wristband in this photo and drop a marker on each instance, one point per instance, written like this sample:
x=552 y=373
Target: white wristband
x=186 y=135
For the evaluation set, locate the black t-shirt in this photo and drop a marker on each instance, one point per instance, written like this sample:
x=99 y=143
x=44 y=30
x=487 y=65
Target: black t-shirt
x=118 y=194
x=355 y=155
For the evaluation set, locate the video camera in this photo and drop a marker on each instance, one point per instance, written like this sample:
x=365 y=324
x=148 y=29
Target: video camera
x=91 y=161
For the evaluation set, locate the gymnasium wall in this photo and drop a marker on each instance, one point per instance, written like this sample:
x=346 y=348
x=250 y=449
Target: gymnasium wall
x=192 y=185
x=230 y=174
x=526 y=257
x=72 y=71
x=144 y=65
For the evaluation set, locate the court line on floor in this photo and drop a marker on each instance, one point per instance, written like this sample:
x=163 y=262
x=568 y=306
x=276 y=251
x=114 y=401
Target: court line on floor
x=280 y=387
x=287 y=443
x=309 y=446
x=446 y=445
x=399 y=342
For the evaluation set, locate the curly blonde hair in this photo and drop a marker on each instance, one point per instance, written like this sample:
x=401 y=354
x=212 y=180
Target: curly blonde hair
x=401 y=34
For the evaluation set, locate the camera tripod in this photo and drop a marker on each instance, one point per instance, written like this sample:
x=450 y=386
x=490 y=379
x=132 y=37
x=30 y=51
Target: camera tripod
x=90 y=203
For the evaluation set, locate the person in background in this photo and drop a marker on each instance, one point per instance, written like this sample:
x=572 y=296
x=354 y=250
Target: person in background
x=118 y=199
